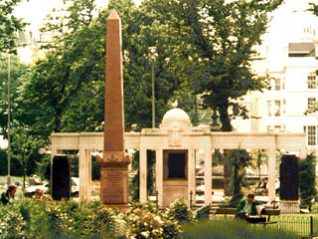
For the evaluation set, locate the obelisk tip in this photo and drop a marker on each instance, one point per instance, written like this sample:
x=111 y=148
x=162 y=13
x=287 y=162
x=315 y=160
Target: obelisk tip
x=113 y=15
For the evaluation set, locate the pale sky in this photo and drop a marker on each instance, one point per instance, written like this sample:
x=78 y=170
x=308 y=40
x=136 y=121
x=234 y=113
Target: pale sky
x=287 y=22
x=34 y=11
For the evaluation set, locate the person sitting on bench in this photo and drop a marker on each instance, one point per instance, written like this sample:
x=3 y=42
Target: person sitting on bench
x=250 y=210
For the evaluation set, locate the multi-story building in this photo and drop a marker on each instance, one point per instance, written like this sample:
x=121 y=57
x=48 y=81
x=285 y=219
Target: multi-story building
x=290 y=105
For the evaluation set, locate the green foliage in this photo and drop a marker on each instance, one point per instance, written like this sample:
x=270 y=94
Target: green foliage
x=238 y=160
x=144 y=222
x=232 y=229
x=307 y=179
x=9 y=25
x=11 y=223
x=180 y=211
x=38 y=219
x=24 y=144
x=134 y=186
x=17 y=70
x=151 y=164
x=43 y=167
x=65 y=91
x=210 y=45
x=261 y=158
x=95 y=169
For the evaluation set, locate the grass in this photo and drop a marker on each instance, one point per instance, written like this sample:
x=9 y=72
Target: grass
x=298 y=224
x=233 y=229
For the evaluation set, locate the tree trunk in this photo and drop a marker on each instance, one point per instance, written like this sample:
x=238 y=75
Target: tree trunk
x=24 y=173
x=224 y=117
x=227 y=174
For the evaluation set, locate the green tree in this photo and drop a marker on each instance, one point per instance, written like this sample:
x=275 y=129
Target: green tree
x=239 y=159
x=24 y=145
x=210 y=44
x=65 y=91
x=134 y=186
x=307 y=179
x=17 y=70
x=9 y=26
x=260 y=158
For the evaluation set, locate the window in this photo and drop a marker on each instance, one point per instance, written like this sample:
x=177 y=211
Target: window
x=277 y=84
x=311 y=135
x=277 y=108
x=311 y=103
x=284 y=106
x=277 y=128
x=269 y=108
x=283 y=84
x=312 y=80
x=176 y=164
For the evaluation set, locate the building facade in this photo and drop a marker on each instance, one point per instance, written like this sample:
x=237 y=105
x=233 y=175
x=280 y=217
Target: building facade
x=290 y=104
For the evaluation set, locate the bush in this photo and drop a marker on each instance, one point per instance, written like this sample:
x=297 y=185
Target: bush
x=144 y=224
x=180 y=211
x=145 y=221
x=11 y=223
x=36 y=219
x=307 y=179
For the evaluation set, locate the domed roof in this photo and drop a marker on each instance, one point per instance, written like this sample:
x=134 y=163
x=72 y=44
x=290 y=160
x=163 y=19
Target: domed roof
x=175 y=118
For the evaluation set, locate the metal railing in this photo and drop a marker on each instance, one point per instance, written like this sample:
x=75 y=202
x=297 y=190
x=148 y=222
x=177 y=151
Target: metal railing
x=305 y=226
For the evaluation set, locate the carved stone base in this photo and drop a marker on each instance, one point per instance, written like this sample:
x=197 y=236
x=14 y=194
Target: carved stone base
x=121 y=207
x=114 y=184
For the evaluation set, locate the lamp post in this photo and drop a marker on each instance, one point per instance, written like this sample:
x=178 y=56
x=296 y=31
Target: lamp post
x=215 y=126
x=152 y=58
x=9 y=120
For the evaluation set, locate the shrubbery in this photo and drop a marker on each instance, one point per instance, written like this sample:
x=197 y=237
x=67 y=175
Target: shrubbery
x=36 y=219
x=180 y=211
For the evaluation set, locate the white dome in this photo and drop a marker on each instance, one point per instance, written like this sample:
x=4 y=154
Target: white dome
x=175 y=118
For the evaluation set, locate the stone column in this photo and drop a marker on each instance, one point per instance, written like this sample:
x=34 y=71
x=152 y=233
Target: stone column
x=191 y=175
x=208 y=175
x=159 y=175
x=85 y=174
x=54 y=152
x=143 y=175
x=271 y=153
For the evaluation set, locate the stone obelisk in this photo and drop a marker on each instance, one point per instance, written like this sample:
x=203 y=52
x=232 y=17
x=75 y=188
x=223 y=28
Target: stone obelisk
x=114 y=164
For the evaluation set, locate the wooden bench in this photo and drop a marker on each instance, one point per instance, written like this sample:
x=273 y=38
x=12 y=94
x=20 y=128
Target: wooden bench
x=203 y=213
x=232 y=211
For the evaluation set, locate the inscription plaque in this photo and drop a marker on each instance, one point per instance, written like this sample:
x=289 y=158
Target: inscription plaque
x=114 y=185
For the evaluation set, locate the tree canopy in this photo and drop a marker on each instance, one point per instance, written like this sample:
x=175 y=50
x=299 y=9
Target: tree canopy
x=205 y=52
x=9 y=26
x=211 y=45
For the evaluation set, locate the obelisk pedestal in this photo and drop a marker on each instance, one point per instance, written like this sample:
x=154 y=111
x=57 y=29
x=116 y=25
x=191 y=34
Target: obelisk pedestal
x=114 y=164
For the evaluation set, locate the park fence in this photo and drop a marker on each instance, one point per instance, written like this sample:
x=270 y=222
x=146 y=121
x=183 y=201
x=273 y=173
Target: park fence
x=303 y=225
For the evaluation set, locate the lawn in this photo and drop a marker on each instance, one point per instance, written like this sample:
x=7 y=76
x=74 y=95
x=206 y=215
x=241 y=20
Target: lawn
x=303 y=225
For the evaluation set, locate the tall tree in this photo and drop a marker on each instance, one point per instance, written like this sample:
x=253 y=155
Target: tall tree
x=211 y=45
